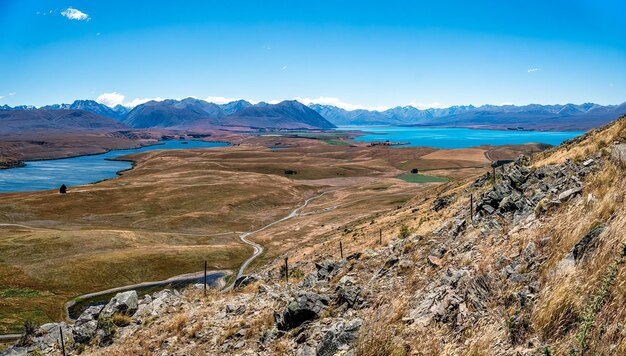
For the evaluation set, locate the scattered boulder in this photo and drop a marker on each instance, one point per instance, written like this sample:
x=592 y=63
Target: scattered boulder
x=442 y=202
x=235 y=309
x=568 y=194
x=123 y=303
x=84 y=331
x=305 y=307
x=586 y=244
x=309 y=280
x=86 y=325
x=327 y=269
x=339 y=337
x=245 y=280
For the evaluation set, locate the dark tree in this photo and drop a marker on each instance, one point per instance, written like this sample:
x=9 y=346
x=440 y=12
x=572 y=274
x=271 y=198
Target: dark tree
x=414 y=171
x=63 y=189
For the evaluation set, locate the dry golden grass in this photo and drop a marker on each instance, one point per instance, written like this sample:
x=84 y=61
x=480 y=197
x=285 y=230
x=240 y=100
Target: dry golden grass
x=379 y=334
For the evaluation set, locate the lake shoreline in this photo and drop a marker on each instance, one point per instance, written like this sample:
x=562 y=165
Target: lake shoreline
x=453 y=137
x=38 y=177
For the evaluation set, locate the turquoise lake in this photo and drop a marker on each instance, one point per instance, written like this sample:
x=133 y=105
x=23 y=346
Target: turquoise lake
x=50 y=174
x=457 y=137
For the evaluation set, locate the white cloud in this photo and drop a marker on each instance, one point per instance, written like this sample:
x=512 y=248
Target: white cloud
x=11 y=93
x=219 y=99
x=423 y=106
x=533 y=70
x=1 y=97
x=74 y=14
x=115 y=98
x=137 y=101
x=324 y=100
x=110 y=99
x=284 y=67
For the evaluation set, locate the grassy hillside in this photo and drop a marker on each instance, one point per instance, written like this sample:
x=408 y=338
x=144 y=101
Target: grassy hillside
x=540 y=272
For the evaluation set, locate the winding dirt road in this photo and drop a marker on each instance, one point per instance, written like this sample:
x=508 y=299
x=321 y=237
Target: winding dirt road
x=258 y=249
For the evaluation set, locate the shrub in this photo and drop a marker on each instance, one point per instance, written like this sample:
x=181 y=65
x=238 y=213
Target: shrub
x=27 y=337
x=121 y=320
x=405 y=231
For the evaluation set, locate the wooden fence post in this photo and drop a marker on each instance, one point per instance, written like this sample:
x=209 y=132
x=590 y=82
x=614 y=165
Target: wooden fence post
x=286 y=270
x=205 y=278
x=341 y=249
x=62 y=342
x=380 y=237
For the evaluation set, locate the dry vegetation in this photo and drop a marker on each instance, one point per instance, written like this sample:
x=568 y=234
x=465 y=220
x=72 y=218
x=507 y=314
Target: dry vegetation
x=176 y=209
x=577 y=309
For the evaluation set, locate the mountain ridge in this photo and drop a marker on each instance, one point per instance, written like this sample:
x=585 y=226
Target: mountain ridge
x=197 y=113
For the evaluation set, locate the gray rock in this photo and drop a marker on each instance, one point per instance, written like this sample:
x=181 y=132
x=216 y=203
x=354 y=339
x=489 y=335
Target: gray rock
x=235 y=309
x=91 y=313
x=586 y=244
x=309 y=280
x=84 y=331
x=339 y=337
x=15 y=351
x=50 y=338
x=123 y=303
x=245 y=280
x=327 y=269
x=458 y=226
x=305 y=307
x=566 y=195
x=442 y=202
x=391 y=261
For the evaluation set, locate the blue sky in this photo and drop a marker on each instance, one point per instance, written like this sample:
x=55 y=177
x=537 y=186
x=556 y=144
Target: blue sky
x=371 y=54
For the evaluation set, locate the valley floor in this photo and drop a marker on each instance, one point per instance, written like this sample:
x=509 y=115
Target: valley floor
x=176 y=209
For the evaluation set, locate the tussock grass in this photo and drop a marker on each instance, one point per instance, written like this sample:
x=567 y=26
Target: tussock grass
x=379 y=333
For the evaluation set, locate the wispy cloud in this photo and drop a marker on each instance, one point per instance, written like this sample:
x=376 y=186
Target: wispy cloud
x=115 y=98
x=533 y=70
x=284 y=67
x=219 y=99
x=324 y=100
x=423 y=106
x=1 y=97
x=138 y=101
x=11 y=93
x=75 y=14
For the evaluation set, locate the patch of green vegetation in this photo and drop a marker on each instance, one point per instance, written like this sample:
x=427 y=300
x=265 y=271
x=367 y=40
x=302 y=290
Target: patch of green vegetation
x=421 y=178
x=18 y=292
x=13 y=323
x=335 y=142
x=405 y=231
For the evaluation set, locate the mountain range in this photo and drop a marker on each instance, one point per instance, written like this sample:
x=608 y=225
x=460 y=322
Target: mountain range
x=568 y=117
x=191 y=113
x=55 y=121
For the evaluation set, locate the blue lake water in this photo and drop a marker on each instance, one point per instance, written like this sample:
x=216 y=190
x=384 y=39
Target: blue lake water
x=457 y=137
x=50 y=174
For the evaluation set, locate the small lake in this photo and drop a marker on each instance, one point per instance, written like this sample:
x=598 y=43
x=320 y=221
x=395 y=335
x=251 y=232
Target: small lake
x=457 y=137
x=50 y=174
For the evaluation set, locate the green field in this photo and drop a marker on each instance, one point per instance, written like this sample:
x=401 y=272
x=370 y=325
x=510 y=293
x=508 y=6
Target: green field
x=421 y=178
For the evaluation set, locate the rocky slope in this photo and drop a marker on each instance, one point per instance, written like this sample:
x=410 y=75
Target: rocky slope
x=535 y=266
